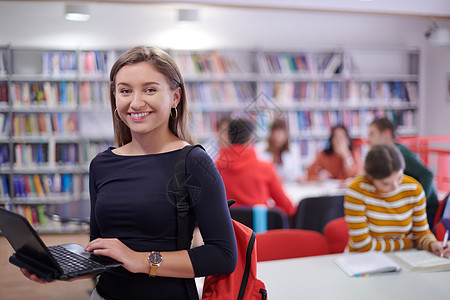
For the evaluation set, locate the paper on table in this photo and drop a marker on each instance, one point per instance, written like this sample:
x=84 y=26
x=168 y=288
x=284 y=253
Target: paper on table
x=366 y=263
x=422 y=260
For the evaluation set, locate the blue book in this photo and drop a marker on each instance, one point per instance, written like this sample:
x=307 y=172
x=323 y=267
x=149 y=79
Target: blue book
x=39 y=154
x=63 y=91
x=66 y=183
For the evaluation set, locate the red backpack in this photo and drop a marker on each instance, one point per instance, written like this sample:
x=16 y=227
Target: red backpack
x=242 y=284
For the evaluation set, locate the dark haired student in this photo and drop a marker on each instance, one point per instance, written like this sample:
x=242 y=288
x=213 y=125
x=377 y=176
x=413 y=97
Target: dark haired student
x=383 y=131
x=385 y=209
x=337 y=161
x=247 y=179
x=133 y=216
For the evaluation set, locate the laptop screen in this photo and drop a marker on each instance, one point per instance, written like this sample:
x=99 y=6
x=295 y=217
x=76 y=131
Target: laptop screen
x=24 y=239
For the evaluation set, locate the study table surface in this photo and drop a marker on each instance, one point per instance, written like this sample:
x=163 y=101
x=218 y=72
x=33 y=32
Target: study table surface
x=318 y=277
x=298 y=191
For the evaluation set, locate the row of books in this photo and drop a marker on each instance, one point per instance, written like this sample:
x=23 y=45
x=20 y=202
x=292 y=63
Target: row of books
x=59 y=63
x=43 y=124
x=66 y=154
x=56 y=63
x=94 y=94
x=306 y=124
x=35 y=214
x=27 y=155
x=350 y=92
x=91 y=149
x=31 y=155
x=96 y=62
x=357 y=122
x=310 y=63
x=226 y=92
x=42 y=185
x=50 y=94
x=212 y=63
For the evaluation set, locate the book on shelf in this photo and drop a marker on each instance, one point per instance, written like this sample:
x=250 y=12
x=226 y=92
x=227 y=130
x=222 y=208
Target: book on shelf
x=366 y=263
x=421 y=261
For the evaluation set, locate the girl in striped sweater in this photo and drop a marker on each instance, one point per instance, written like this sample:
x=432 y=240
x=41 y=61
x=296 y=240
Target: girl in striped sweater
x=385 y=209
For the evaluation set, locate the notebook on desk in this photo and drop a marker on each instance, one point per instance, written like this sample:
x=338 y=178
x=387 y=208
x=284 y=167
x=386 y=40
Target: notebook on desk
x=366 y=263
x=60 y=262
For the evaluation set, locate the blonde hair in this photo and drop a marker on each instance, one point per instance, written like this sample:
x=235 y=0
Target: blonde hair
x=163 y=63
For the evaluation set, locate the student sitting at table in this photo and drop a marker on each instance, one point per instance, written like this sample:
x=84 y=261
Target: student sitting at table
x=385 y=209
x=383 y=131
x=248 y=180
x=337 y=161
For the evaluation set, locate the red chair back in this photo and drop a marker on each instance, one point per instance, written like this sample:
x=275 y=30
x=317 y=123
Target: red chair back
x=290 y=243
x=336 y=232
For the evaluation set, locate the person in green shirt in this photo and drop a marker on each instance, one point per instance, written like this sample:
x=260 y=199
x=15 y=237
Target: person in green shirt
x=383 y=131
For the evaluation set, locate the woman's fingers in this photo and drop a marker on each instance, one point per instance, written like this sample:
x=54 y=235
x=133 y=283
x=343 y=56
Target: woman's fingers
x=32 y=276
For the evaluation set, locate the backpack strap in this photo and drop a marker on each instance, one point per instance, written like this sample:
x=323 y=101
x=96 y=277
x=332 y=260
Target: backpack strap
x=248 y=260
x=181 y=195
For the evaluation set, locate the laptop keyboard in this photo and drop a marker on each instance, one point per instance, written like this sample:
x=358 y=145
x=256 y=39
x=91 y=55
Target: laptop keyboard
x=71 y=262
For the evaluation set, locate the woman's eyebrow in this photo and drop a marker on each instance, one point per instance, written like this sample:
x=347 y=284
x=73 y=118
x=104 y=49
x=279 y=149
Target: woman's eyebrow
x=145 y=83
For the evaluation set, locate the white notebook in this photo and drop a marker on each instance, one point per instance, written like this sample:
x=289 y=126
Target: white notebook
x=366 y=263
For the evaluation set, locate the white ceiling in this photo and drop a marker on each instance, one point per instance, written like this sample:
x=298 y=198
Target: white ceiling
x=408 y=7
x=223 y=23
x=427 y=8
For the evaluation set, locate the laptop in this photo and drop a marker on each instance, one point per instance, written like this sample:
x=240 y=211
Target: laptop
x=60 y=262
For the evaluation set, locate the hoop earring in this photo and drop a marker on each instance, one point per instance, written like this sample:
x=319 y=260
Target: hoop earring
x=176 y=113
x=116 y=115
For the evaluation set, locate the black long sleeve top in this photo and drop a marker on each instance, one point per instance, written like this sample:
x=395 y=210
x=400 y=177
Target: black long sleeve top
x=131 y=200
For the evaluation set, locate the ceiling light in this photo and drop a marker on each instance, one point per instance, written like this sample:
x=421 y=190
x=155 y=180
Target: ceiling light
x=77 y=12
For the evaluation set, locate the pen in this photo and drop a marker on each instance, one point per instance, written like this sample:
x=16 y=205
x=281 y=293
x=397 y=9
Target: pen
x=444 y=242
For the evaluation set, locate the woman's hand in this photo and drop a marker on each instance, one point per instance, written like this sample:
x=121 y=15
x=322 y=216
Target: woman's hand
x=33 y=277
x=340 y=147
x=135 y=262
x=437 y=249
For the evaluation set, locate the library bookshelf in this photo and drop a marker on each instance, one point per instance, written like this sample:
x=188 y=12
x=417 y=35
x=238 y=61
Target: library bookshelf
x=312 y=90
x=55 y=115
x=47 y=101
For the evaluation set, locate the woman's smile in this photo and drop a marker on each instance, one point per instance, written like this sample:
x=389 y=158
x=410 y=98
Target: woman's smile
x=139 y=116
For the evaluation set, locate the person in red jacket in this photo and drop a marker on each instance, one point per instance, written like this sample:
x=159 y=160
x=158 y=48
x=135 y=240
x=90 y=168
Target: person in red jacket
x=248 y=180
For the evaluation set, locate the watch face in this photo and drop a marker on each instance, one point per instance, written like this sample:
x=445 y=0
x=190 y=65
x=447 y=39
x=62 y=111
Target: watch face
x=155 y=258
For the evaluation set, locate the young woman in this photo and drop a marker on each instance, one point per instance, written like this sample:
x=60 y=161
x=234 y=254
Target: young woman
x=337 y=161
x=133 y=216
x=385 y=209
x=279 y=151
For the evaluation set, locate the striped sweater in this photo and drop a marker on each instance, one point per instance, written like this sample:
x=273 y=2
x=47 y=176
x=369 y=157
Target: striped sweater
x=381 y=221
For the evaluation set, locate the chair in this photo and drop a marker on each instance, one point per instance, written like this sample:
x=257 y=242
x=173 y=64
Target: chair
x=440 y=211
x=315 y=212
x=441 y=228
x=336 y=233
x=290 y=243
x=276 y=219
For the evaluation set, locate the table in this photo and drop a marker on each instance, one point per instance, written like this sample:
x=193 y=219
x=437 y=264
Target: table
x=298 y=191
x=318 y=277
